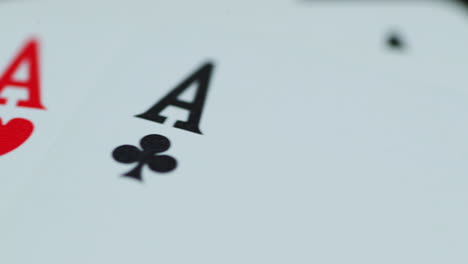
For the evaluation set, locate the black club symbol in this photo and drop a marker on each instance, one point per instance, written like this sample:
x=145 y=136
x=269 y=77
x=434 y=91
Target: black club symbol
x=151 y=145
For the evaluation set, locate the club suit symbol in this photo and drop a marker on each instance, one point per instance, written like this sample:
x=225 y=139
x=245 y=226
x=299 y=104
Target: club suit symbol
x=149 y=154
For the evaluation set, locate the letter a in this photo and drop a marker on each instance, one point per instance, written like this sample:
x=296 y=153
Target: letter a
x=195 y=108
x=28 y=55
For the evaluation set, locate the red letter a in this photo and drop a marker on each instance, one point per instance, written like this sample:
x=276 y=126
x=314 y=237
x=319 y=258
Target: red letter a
x=30 y=55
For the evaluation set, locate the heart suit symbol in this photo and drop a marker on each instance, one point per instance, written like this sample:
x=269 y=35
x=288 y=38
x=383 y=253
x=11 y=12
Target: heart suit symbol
x=14 y=133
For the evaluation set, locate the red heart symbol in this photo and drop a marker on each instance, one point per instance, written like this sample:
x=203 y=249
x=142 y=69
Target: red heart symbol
x=14 y=133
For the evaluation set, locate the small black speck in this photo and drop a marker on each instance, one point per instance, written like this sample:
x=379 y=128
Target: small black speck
x=395 y=42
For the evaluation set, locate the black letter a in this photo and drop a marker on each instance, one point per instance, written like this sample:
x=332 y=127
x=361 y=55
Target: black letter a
x=195 y=108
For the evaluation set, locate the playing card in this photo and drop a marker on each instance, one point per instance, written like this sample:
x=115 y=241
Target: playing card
x=304 y=133
x=49 y=56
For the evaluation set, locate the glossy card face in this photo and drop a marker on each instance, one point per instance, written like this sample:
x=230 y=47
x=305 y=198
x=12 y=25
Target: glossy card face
x=45 y=69
x=267 y=132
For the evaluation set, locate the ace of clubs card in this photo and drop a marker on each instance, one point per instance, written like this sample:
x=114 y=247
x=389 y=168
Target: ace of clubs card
x=306 y=150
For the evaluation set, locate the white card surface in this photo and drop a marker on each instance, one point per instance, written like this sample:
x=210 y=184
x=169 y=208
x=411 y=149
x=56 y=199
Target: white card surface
x=71 y=52
x=319 y=143
x=68 y=62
